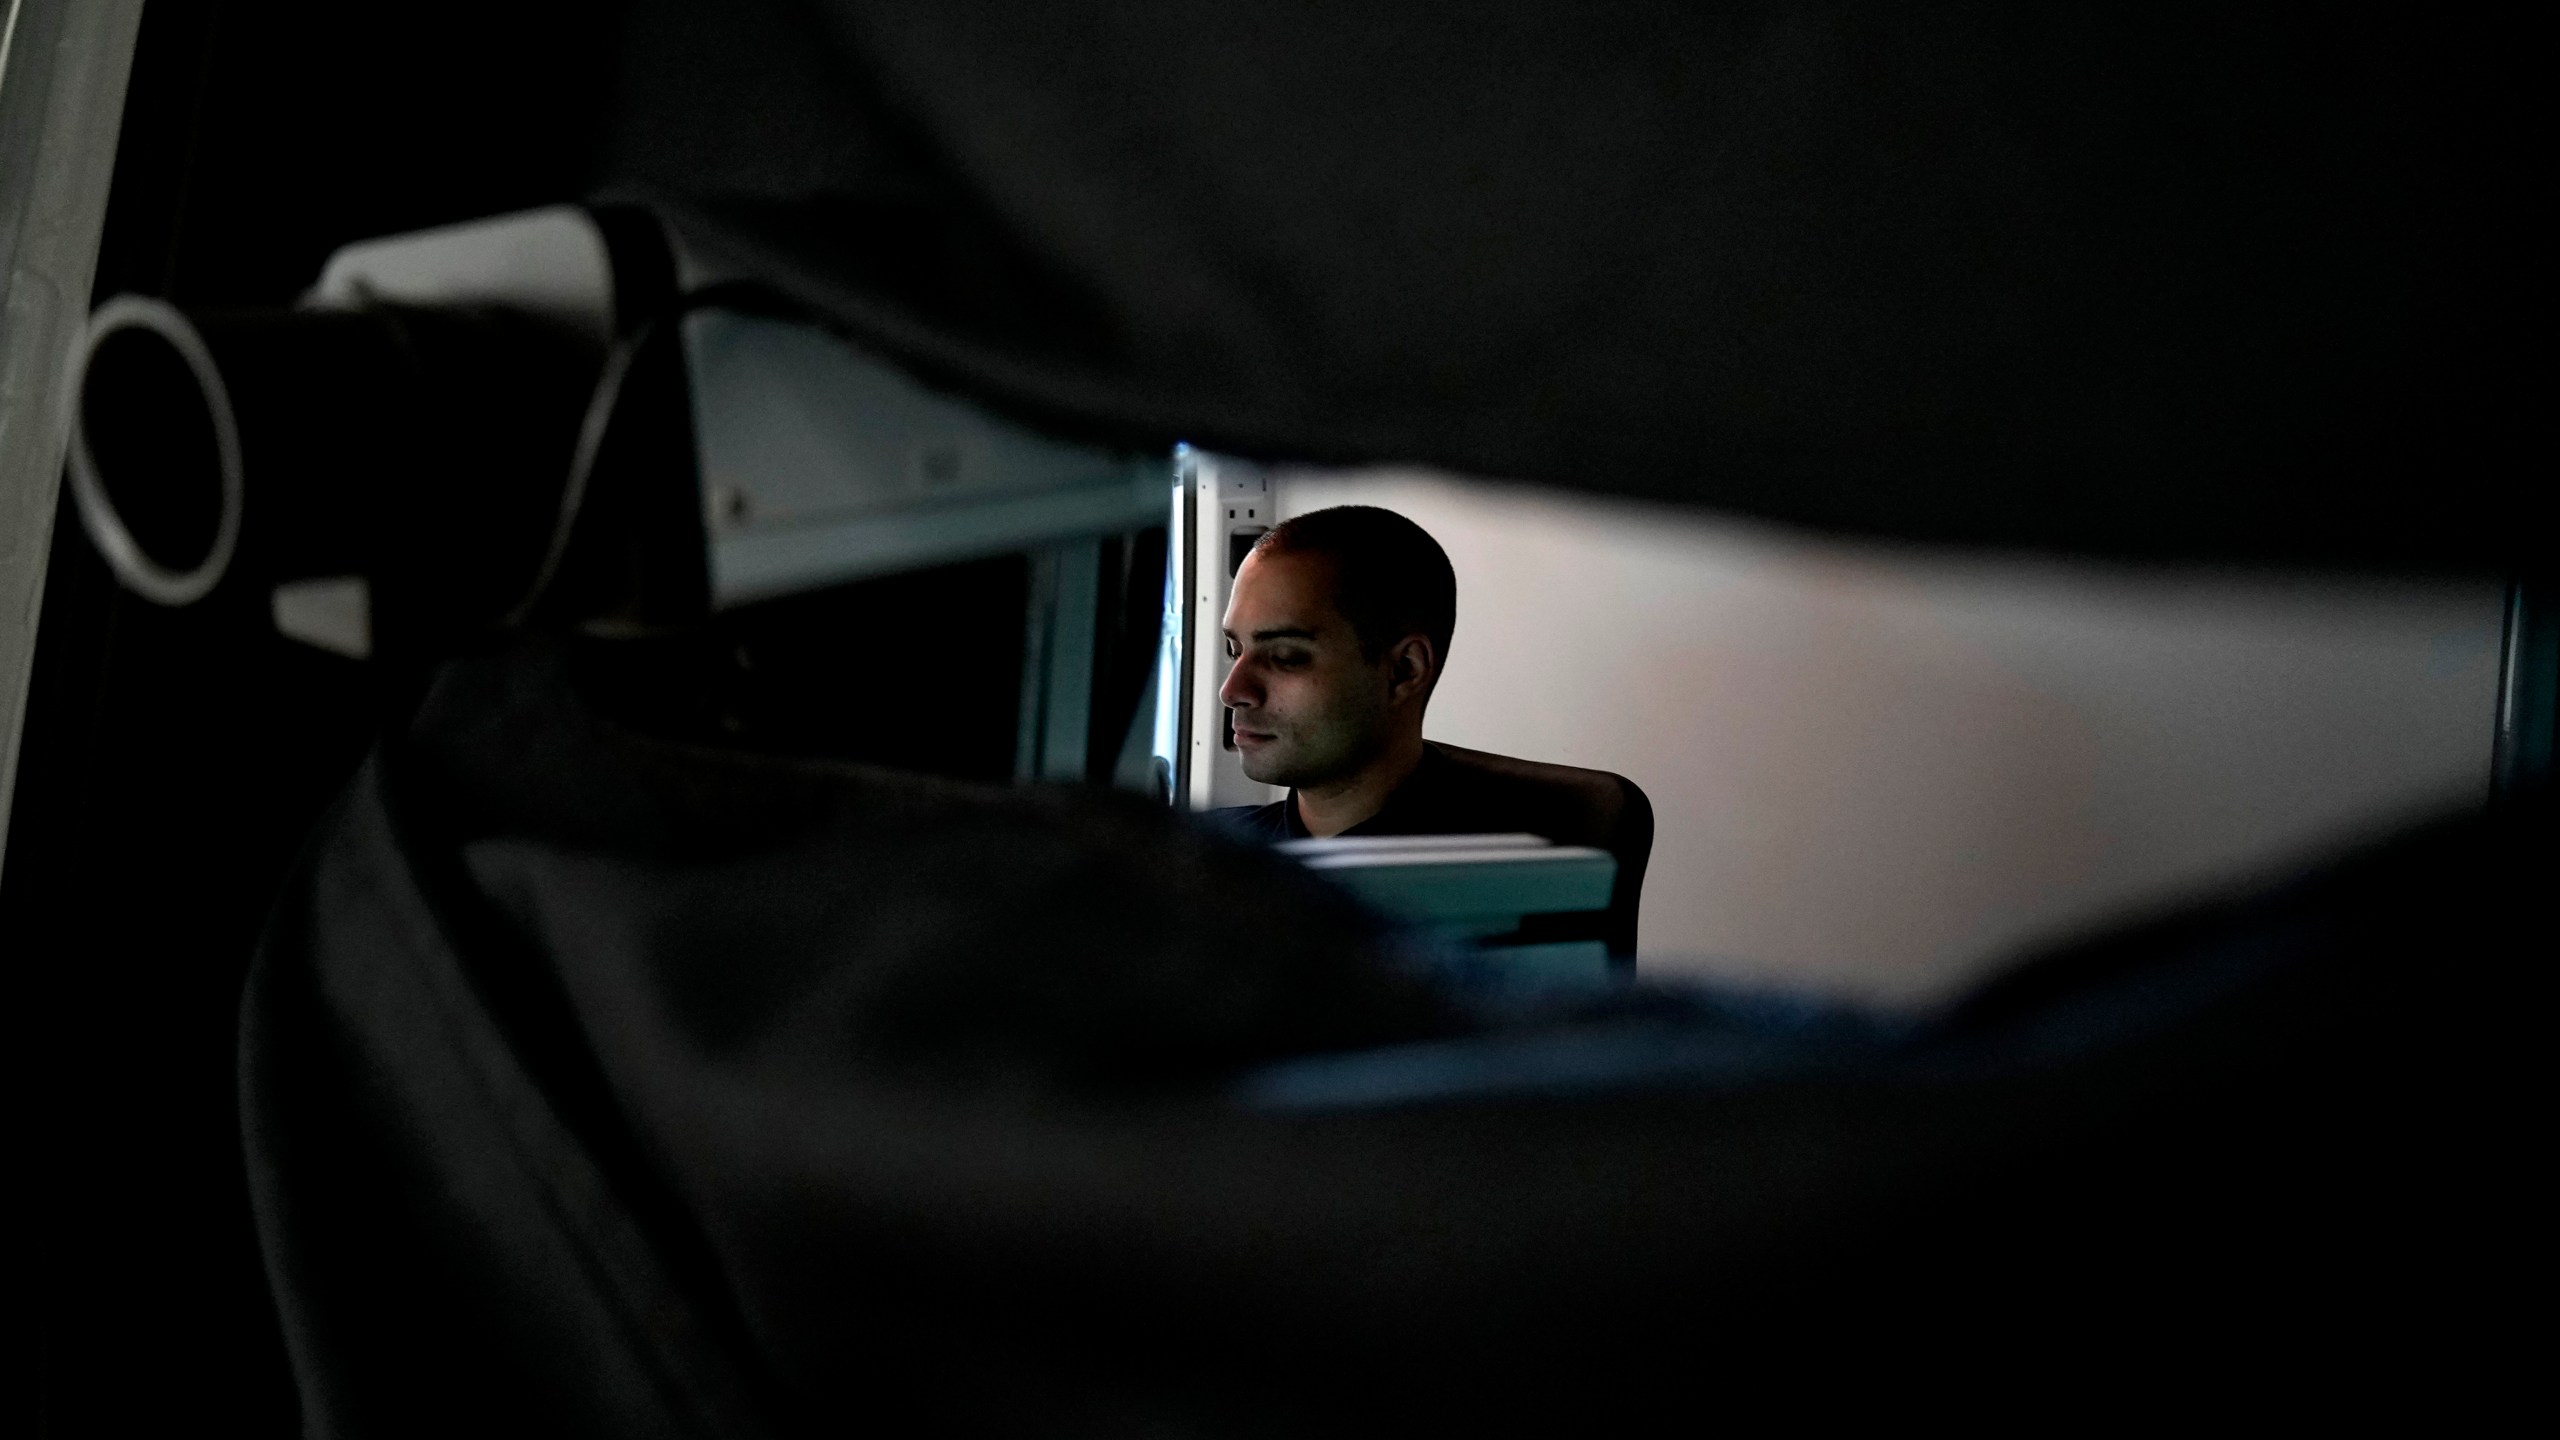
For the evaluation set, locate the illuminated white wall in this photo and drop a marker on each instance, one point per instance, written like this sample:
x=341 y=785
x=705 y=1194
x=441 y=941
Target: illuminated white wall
x=1878 y=772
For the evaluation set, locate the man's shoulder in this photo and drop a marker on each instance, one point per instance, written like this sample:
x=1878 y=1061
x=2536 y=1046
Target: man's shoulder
x=1439 y=798
x=1251 y=822
x=1570 y=804
x=1454 y=794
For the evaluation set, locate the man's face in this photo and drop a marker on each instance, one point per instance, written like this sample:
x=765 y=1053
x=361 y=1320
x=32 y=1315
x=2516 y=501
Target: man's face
x=1308 y=707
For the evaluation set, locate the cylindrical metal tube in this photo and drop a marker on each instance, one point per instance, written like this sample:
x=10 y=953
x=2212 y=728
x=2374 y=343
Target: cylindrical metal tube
x=421 y=449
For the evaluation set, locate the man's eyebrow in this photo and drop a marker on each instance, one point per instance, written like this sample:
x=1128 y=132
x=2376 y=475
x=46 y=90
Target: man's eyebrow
x=1284 y=634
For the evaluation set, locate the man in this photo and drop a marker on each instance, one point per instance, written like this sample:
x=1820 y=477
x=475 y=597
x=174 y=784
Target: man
x=1337 y=632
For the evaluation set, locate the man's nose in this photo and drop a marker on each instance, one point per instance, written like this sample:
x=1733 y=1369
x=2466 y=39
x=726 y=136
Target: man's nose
x=1239 y=691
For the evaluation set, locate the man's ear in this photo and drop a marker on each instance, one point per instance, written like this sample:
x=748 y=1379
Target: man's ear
x=1411 y=667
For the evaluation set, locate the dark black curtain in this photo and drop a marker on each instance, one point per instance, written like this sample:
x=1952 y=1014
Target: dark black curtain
x=2124 y=279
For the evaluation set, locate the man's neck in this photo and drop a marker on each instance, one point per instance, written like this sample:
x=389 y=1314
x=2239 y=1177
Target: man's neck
x=1331 y=808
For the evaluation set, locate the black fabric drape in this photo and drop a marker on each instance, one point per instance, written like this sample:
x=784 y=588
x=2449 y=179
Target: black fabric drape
x=2131 y=280
x=625 y=1087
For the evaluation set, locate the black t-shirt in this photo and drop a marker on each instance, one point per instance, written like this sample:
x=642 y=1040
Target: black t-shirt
x=1440 y=797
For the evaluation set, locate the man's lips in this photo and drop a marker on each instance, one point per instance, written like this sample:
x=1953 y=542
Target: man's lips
x=1253 y=737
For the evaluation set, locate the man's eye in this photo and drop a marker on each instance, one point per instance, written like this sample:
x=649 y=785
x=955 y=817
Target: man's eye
x=1290 y=658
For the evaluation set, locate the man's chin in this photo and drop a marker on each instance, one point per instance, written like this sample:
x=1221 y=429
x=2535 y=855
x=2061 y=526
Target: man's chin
x=1265 y=766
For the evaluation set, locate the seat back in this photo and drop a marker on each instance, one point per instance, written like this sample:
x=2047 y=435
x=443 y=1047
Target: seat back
x=1574 y=806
